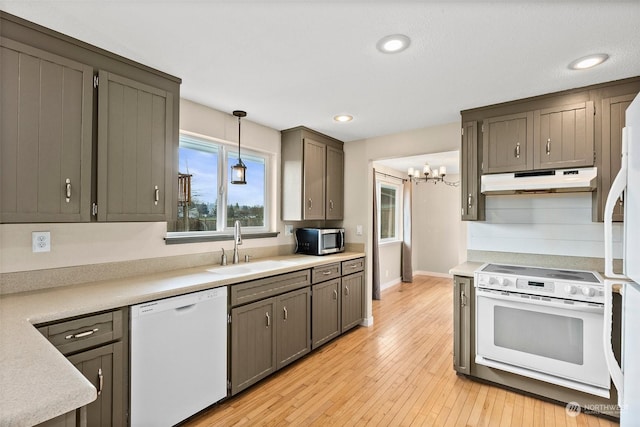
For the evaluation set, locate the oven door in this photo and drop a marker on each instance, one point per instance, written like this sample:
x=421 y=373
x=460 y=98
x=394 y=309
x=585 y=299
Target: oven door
x=548 y=339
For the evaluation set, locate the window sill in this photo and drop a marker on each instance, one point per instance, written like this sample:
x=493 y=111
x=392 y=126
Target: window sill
x=176 y=240
x=389 y=242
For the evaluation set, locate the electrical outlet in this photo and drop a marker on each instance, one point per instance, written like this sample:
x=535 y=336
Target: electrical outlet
x=41 y=241
x=288 y=230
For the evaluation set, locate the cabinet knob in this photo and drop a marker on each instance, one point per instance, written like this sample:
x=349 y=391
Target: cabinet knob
x=67 y=190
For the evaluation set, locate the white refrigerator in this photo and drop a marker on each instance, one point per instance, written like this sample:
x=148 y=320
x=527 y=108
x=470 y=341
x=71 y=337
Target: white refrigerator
x=627 y=377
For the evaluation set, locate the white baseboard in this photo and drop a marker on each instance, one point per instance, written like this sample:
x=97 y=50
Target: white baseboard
x=390 y=283
x=432 y=273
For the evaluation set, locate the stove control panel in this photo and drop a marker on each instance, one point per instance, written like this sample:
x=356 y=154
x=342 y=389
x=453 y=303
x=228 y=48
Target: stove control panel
x=589 y=292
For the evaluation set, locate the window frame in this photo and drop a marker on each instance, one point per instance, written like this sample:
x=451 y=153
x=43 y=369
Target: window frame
x=381 y=182
x=223 y=149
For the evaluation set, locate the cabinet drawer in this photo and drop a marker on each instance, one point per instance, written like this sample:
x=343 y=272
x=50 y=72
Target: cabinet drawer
x=255 y=290
x=352 y=266
x=79 y=334
x=323 y=273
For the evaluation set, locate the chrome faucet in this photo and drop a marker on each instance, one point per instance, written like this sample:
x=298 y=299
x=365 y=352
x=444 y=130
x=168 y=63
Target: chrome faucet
x=237 y=240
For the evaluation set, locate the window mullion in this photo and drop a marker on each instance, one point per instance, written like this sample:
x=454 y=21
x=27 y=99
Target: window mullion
x=222 y=190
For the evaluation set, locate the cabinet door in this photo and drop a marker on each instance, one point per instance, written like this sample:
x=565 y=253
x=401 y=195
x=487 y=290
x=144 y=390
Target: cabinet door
x=293 y=326
x=253 y=351
x=613 y=120
x=352 y=300
x=472 y=199
x=508 y=143
x=314 y=179
x=564 y=136
x=325 y=309
x=335 y=184
x=45 y=136
x=134 y=150
x=462 y=324
x=103 y=367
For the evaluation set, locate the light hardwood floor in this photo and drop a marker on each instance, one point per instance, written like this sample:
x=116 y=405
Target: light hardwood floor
x=397 y=373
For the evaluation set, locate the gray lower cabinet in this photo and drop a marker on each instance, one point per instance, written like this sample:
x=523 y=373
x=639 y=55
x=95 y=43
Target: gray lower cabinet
x=352 y=305
x=95 y=344
x=462 y=352
x=270 y=326
x=45 y=136
x=325 y=312
x=253 y=349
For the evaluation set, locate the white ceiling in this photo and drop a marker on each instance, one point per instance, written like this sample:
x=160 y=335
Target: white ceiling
x=290 y=63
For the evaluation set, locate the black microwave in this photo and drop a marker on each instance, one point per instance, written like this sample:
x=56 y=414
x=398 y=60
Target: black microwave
x=319 y=241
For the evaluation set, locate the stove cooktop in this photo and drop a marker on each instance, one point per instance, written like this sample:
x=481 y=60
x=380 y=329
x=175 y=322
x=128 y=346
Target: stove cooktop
x=543 y=273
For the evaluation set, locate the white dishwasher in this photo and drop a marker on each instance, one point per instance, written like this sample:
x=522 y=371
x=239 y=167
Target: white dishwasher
x=178 y=357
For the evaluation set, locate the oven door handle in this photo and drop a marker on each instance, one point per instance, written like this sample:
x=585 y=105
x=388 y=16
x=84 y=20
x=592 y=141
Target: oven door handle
x=515 y=299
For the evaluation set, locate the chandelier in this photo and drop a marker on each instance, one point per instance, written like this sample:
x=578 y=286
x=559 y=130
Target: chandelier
x=435 y=175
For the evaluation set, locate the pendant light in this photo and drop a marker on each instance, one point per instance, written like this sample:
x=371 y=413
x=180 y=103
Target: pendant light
x=239 y=170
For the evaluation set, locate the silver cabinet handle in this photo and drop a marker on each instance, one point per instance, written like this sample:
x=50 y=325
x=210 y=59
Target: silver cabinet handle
x=81 y=334
x=517 y=151
x=353 y=266
x=331 y=204
x=346 y=291
x=326 y=273
x=463 y=298
x=285 y=312
x=100 y=381
x=548 y=146
x=268 y=319
x=310 y=203
x=67 y=190
x=335 y=294
x=156 y=196
x=469 y=200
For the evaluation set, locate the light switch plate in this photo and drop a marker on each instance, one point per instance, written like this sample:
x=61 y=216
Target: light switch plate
x=358 y=230
x=41 y=241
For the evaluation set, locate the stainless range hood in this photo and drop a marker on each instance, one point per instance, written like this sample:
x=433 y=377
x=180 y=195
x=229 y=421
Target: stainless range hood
x=547 y=181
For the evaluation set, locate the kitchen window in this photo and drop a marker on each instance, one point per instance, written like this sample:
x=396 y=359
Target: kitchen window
x=208 y=204
x=389 y=214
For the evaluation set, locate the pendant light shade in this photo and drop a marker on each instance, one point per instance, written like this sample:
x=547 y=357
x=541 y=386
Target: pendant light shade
x=239 y=170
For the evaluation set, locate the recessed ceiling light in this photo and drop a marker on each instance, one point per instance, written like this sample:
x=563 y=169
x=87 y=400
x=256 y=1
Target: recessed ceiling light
x=588 y=61
x=343 y=118
x=393 y=44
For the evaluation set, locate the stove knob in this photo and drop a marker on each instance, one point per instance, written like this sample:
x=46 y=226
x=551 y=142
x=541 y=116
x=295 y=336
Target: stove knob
x=570 y=289
x=505 y=282
x=493 y=281
x=588 y=292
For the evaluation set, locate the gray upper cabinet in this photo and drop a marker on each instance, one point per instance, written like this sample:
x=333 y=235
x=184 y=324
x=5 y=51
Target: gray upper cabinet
x=68 y=148
x=508 y=143
x=312 y=176
x=134 y=150
x=45 y=157
x=563 y=136
x=335 y=184
x=472 y=200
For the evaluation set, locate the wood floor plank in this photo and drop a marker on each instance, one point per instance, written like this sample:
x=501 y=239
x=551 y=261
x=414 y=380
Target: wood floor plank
x=399 y=372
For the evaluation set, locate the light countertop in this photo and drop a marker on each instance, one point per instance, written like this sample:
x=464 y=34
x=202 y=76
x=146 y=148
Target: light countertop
x=38 y=383
x=466 y=268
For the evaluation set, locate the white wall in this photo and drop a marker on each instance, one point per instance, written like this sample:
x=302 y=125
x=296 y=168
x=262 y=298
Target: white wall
x=550 y=224
x=91 y=243
x=439 y=234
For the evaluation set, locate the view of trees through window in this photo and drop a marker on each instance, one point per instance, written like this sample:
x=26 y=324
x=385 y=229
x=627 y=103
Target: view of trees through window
x=387 y=216
x=205 y=203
